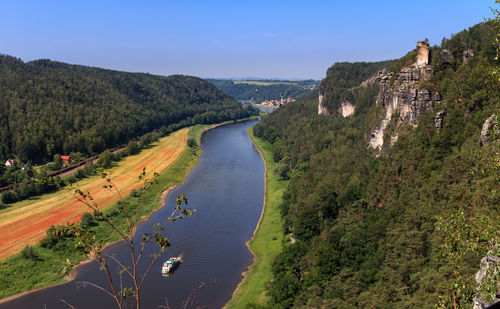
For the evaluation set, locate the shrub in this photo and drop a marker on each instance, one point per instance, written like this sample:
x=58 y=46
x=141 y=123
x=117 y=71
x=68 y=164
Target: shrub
x=132 y=148
x=87 y=220
x=191 y=142
x=9 y=197
x=29 y=253
x=50 y=239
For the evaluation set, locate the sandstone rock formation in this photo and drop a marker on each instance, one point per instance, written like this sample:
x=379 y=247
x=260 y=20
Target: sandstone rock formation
x=446 y=56
x=321 y=104
x=346 y=109
x=402 y=94
x=467 y=55
x=487 y=262
x=488 y=128
x=404 y=97
x=422 y=53
x=438 y=120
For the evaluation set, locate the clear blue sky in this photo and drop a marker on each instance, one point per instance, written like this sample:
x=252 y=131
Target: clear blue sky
x=289 y=39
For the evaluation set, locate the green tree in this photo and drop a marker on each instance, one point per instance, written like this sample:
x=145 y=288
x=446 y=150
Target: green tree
x=57 y=162
x=29 y=253
x=132 y=148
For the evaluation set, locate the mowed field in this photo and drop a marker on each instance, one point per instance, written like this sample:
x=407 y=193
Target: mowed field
x=26 y=222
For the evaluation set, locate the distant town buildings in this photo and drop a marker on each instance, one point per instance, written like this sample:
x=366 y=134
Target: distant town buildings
x=309 y=87
x=277 y=103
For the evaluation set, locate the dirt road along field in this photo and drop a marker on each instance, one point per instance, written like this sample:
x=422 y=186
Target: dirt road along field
x=25 y=222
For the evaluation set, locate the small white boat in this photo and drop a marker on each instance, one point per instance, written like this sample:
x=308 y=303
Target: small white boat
x=170 y=265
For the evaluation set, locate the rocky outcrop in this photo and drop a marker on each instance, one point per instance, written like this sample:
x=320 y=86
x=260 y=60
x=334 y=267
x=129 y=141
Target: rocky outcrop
x=422 y=53
x=401 y=94
x=446 y=56
x=438 y=120
x=321 y=104
x=489 y=127
x=467 y=55
x=346 y=109
x=489 y=261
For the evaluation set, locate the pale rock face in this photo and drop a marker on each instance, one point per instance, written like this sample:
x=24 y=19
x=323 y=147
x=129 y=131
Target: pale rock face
x=487 y=129
x=347 y=109
x=467 y=55
x=376 y=138
x=403 y=97
x=394 y=139
x=321 y=107
x=422 y=53
x=446 y=57
x=438 y=120
x=490 y=260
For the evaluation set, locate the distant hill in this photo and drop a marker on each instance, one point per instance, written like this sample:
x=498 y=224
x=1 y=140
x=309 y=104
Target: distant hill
x=49 y=107
x=258 y=90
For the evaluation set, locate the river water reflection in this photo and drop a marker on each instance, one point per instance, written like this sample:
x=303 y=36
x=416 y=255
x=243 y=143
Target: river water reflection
x=226 y=189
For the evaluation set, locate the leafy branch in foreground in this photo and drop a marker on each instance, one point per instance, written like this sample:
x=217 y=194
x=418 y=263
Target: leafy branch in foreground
x=87 y=242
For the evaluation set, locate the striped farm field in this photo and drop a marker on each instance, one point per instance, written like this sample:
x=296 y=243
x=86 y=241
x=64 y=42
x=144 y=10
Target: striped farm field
x=25 y=222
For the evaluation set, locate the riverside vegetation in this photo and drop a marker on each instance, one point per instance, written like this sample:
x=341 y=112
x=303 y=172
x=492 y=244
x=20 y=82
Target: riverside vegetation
x=408 y=228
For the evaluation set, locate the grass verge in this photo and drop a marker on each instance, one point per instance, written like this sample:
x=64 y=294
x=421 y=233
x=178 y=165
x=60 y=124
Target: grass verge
x=18 y=274
x=267 y=241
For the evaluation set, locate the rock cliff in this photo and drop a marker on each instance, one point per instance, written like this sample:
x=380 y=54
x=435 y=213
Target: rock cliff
x=346 y=109
x=322 y=110
x=489 y=263
x=402 y=94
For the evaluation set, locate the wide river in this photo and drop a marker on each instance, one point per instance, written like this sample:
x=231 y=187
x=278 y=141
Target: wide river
x=226 y=188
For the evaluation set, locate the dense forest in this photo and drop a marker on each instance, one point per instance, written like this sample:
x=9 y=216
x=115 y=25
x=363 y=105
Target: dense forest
x=404 y=229
x=49 y=108
x=266 y=90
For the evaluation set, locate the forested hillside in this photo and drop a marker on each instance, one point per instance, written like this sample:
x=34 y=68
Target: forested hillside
x=266 y=90
x=406 y=228
x=49 y=107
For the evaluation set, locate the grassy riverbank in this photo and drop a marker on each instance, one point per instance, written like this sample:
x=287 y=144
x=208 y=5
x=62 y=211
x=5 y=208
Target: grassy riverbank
x=18 y=274
x=267 y=241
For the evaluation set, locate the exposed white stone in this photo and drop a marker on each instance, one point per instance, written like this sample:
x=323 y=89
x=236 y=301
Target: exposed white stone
x=394 y=139
x=488 y=126
x=346 y=109
x=488 y=261
x=376 y=138
x=321 y=107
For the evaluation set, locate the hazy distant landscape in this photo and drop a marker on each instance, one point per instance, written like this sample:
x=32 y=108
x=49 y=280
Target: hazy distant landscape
x=259 y=91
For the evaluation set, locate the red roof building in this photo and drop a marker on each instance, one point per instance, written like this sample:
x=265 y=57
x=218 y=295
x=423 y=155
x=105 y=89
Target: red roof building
x=65 y=159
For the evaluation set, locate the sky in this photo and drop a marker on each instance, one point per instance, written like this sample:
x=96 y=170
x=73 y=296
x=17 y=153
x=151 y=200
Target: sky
x=228 y=39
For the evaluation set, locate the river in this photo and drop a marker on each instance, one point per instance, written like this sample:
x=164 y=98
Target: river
x=226 y=188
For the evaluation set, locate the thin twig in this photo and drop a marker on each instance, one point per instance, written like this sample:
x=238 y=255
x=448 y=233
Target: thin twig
x=64 y=302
